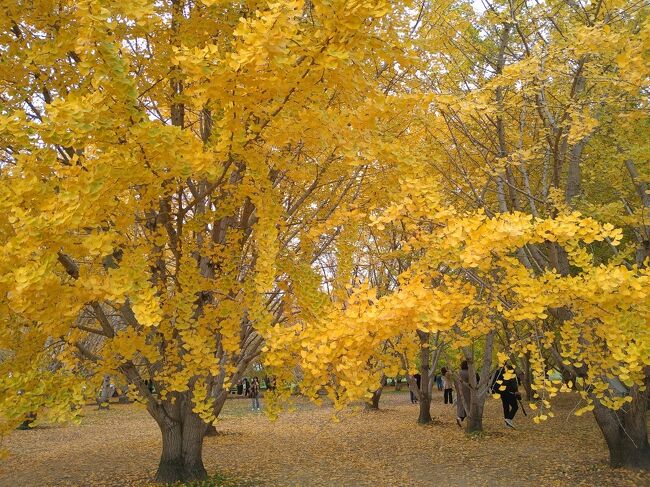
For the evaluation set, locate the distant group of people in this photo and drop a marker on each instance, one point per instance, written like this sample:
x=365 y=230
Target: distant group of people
x=251 y=389
x=445 y=383
x=447 y=386
x=504 y=382
x=109 y=390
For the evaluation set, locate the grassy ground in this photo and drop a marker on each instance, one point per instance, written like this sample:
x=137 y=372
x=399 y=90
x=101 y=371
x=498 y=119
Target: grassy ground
x=120 y=447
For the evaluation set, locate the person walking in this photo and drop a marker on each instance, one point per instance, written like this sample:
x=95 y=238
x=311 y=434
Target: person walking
x=447 y=385
x=463 y=393
x=255 y=393
x=505 y=384
x=245 y=387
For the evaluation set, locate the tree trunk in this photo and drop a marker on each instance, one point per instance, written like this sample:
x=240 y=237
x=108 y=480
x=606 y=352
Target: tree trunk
x=434 y=364
x=478 y=391
x=171 y=468
x=424 y=396
x=373 y=404
x=643 y=234
x=475 y=414
x=425 y=408
x=181 y=459
x=374 y=401
x=473 y=403
x=626 y=431
x=183 y=432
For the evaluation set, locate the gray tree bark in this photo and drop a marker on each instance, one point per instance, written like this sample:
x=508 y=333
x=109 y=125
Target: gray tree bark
x=626 y=431
x=477 y=391
x=105 y=393
x=182 y=433
x=373 y=404
x=424 y=396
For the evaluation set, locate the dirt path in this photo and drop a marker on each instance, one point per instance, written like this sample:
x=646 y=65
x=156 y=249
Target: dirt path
x=120 y=447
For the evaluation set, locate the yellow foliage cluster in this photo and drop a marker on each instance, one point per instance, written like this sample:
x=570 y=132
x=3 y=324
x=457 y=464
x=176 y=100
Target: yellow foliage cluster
x=187 y=188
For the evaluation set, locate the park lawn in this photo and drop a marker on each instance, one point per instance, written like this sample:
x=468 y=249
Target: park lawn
x=121 y=446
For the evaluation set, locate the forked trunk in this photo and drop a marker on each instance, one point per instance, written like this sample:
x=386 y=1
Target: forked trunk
x=182 y=443
x=470 y=401
x=181 y=459
x=626 y=432
x=478 y=388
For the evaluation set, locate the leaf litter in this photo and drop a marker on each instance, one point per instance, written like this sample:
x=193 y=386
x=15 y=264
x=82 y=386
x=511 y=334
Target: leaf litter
x=121 y=447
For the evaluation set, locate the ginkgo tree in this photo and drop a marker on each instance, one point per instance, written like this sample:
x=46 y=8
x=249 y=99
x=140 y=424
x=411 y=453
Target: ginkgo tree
x=608 y=303
x=433 y=297
x=176 y=176
x=170 y=173
x=528 y=106
x=542 y=109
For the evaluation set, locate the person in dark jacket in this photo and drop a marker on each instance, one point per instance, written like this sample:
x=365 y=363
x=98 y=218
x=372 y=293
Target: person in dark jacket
x=505 y=384
x=418 y=380
x=255 y=394
x=447 y=384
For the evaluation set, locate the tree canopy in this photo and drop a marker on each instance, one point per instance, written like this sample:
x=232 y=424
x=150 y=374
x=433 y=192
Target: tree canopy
x=324 y=186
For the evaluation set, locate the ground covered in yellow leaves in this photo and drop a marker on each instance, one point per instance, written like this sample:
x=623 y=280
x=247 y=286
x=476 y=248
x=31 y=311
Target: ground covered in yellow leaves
x=305 y=448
